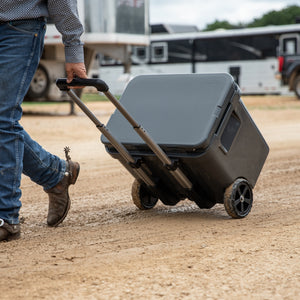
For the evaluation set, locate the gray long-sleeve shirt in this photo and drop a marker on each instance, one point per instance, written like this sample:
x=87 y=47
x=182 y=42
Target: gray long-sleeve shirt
x=63 y=13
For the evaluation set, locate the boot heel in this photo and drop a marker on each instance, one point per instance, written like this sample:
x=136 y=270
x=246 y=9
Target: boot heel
x=74 y=172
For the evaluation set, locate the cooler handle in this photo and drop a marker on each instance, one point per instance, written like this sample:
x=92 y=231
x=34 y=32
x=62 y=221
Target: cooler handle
x=99 y=84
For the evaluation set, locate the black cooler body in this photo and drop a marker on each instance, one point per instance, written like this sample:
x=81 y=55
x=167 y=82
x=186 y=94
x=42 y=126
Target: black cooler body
x=202 y=125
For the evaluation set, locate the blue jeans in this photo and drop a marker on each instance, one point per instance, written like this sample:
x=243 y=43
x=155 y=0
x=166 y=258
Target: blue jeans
x=21 y=44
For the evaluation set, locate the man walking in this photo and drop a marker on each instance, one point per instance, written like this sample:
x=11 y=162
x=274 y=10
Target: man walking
x=22 y=30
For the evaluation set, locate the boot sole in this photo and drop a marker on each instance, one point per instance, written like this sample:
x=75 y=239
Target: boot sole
x=12 y=237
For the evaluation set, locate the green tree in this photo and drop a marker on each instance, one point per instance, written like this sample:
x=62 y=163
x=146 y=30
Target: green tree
x=219 y=24
x=285 y=16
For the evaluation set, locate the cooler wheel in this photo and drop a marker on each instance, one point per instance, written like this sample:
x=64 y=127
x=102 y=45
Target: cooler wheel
x=238 y=199
x=141 y=196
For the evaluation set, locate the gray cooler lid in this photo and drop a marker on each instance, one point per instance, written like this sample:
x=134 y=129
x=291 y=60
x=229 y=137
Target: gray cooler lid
x=181 y=110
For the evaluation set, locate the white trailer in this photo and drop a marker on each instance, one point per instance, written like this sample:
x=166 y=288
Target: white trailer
x=250 y=55
x=112 y=27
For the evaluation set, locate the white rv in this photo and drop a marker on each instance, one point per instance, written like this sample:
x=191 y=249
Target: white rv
x=112 y=27
x=250 y=55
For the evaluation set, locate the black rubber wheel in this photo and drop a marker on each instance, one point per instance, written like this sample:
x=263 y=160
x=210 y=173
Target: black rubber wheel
x=238 y=199
x=141 y=196
x=39 y=85
x=297 y=86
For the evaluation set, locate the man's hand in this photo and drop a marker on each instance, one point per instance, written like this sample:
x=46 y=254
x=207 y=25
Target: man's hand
x=75 y=70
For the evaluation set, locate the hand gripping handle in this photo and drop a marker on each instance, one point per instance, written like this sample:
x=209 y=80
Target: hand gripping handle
x=99 y=84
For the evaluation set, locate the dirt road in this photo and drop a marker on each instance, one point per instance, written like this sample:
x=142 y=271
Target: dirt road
x=108 y=249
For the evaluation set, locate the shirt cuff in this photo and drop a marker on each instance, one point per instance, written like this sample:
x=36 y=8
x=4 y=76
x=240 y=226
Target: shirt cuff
x=74 y=54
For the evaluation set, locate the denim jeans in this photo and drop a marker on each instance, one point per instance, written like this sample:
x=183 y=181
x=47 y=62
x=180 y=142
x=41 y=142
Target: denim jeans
x=21 y=44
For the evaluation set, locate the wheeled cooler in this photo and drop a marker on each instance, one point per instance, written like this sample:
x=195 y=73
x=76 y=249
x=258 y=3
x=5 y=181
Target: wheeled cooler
x=184 y=136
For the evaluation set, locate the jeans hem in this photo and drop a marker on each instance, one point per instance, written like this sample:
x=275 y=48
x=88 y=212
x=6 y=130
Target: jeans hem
x=11 y=221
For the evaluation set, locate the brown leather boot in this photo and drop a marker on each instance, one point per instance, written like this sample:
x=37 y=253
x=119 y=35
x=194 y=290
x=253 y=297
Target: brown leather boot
x=59 y=200
x=8 y=231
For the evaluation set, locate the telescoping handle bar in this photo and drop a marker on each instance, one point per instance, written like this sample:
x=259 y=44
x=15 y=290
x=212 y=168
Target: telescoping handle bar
x=61 y=83
x=103 y=87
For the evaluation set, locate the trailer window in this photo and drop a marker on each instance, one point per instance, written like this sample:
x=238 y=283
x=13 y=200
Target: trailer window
x=140 y=54
x=131 y=16
x=290 y=46
x=116 y=16
x=159 y=52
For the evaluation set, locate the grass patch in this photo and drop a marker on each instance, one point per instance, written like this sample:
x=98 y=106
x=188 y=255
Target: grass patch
x=93 y=98
x=35 y=103
x=86 y=97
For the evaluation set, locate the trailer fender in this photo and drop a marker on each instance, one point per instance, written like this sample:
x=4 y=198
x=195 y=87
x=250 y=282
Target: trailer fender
x=40 y=84
x=296 y=85
x=292 y=73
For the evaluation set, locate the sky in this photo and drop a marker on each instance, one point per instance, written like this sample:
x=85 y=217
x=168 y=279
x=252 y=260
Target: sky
x=203 y=12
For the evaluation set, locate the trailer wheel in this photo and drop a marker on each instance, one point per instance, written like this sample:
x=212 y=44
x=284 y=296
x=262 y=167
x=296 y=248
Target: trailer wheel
x=238 y=199
x=297 y=86
x=141 y=196
x=39 y=85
